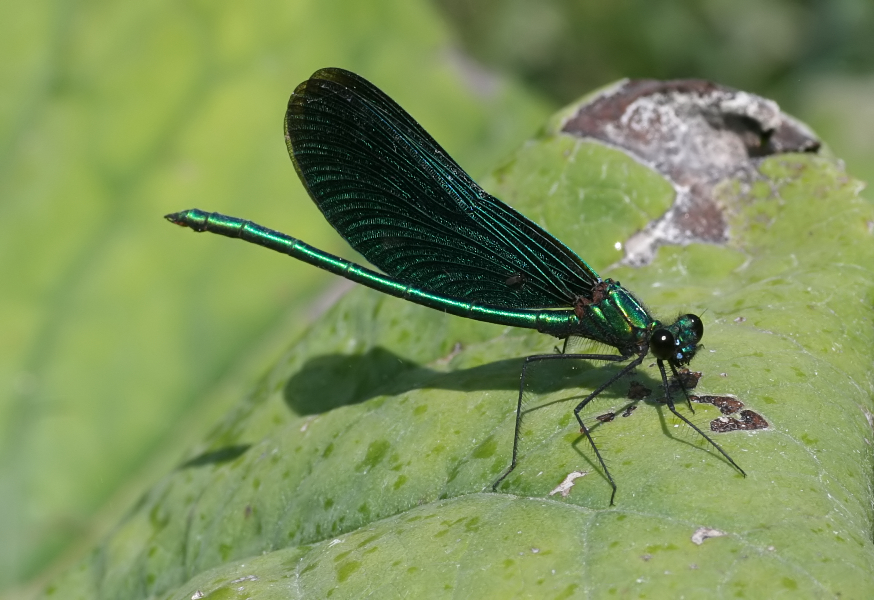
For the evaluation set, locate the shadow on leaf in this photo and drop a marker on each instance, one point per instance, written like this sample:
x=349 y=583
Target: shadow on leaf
x=331 y=381
x=217 y=456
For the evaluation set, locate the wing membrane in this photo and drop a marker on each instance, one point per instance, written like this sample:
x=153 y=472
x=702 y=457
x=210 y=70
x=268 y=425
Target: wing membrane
x=395 y=195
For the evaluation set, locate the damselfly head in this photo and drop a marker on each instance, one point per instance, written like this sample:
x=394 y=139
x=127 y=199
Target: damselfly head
x=677 y=343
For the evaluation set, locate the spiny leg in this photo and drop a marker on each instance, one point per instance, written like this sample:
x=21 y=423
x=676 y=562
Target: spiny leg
x=585 y=430
x=682 y=386
x=670 y=402
x=540 y=357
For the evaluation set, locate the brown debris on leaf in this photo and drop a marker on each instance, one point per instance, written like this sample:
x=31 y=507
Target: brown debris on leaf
x=606 y=417
x=726 y=404
x=749 y=421
x=629 y=409
x=638 y=391
x=695 y=133
x=688 y=380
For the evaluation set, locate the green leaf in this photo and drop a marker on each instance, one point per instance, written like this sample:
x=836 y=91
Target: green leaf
x=114 y=325
x=361 y=464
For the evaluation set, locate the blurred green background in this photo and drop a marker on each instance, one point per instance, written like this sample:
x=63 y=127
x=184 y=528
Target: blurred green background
x=122 y=338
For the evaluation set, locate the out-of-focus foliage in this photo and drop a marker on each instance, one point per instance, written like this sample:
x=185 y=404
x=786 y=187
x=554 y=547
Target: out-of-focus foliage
x=114 y=323
x=562 y=47
x=815 y=58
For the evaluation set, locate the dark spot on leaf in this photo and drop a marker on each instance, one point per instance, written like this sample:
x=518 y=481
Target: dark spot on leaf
x=369 y=540
x=376 y=452
x=345 y=570
x=454 y=471
x=440 y=447
x=487 y=449
x=789 y=584
x=748 y=421
x=472 y=525
x=638 y=391
x=688 y=380
x=568 y=592
x=726 y=404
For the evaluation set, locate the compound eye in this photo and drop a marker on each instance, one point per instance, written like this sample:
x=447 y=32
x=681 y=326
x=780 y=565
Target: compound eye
x=697 y=327
x=663 y=344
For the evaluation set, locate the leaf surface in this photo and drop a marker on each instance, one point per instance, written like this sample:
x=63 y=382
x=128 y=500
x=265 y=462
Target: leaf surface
x=360 y=465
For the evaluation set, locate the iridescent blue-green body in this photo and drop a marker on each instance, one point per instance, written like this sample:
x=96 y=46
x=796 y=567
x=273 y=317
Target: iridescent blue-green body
x=441 y=241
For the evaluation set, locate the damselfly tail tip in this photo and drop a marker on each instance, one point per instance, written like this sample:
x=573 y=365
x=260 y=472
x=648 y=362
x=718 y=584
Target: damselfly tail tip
x=176 y=217
x=184 y=218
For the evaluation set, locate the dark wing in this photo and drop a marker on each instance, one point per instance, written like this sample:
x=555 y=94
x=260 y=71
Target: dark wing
x=395 y=195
